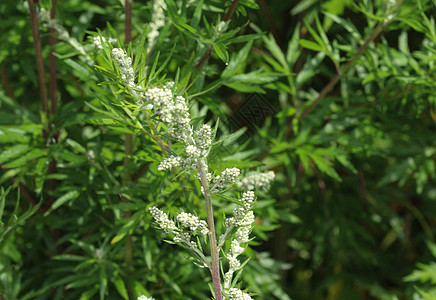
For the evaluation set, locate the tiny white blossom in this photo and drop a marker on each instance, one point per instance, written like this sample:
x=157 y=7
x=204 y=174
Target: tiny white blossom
x=237 y=294
x=162 y=219
x=124 y=64
x=169 y=163
x=145 y=298
x=256 y=180
x=247 y=199
x=98 y=41
x=193 y=151
x=227 y=177
x=147 y=107
x=204 y=137
x=193 y=222
x=182 y=237
x=242 y=234
x=172 y=110
x=247 y=220
x=157 y=20
x=236 y=248
x=230 y=222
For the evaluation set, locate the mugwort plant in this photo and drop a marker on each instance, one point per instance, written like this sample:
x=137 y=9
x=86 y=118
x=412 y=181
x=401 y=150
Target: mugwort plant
x=162 y=113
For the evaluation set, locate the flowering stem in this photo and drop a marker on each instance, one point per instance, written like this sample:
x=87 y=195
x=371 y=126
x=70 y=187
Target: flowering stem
x=214 y=251
x=129 y=138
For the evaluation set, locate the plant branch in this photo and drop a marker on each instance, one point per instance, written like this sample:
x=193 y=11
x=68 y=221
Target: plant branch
x=348 y=66
x=53 y=95
x=6 y=83
x=23 y=190
x=38 y=55
x=129 y=138
x=214 y=251
x=128 y=22
x=208 y=53
x=338 y=75
x=52 y=58
x=267 y=12
x=231 y=10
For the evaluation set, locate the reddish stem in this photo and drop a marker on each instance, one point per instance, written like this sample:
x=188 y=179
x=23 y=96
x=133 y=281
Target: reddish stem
x=52 y=58
x=38 y=55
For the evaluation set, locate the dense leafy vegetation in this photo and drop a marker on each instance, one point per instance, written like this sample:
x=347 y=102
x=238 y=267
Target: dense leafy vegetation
x=337 y=97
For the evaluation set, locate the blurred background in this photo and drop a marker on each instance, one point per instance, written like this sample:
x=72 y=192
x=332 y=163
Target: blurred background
x=337 y=97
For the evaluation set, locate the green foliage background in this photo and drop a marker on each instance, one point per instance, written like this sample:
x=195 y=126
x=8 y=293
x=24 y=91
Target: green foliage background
x=350 y=90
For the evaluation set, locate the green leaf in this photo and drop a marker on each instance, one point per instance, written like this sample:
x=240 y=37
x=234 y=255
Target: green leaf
x=275 y=50
x=195 y=21
x=13 y=152
x=221 y=51
x=103 y=283
x=250 y=4
x=14 y=221
x=293 y=52
x=127 y=228
x=70 y=196
x=310 y=45
x=13 y=135
x=121 y=288
x=245 y=88
x=3 y=201
x=26 y=158
x=310 y=69
x=423 y=273
x=319 y=40
x=426 y=295
x=89 y=294
x=237 y=62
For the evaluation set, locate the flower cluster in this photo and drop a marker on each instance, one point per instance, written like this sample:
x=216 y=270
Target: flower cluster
x=124 y=64
x=145 y=298
x=99 y=40
x=204 y=139
x=169 y=163
x=247 y=199
x=243 y=218
x=256 y=180
x=237 y=294
x=234 y=264
x=223 y=181
x=157 y=20
x=161 y=218
x=172 y=110
x=193 y=222
x=186 y=220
